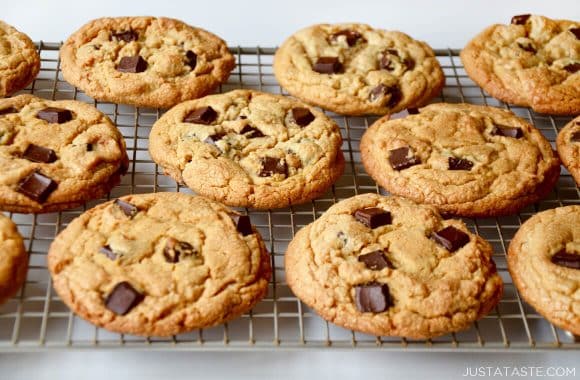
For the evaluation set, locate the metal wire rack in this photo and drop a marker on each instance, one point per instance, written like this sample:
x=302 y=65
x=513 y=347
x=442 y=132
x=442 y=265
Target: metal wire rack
x=35 y=319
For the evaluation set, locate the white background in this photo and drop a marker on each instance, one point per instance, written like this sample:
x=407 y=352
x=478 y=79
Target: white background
x=442 y=23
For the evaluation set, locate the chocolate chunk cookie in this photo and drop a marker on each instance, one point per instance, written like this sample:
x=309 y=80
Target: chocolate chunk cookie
x=145 y=61
x=13 y=259
x=19 y=60
x=409 y=274
x=544 y=262
x=354 y=69
x=534 y=61
x=56 y=155
x=159 y=264
x=568 y=143
x=250 y=149
x=464 y=159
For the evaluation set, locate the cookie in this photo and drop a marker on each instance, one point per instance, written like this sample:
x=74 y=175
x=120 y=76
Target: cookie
x=387 y=266
x=249 y=149
x=466 y=160
x=533 y=62
x=568 y=143
x=13 y=259
x=56 y=155
x=159 y=264
x=544 y=262
x=145 y=61
x=354 y=69
x=19 y=60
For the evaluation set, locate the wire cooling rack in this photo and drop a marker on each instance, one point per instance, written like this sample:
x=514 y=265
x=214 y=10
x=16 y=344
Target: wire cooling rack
x=36 y=319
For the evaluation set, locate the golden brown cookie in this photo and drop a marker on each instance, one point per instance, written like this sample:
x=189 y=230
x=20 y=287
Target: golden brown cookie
x=534 y=61
x=354 y=69
x=159 y=264
x=249 y=149
x=145 y=61
x=56 y=155
x=387 y=266
x=544 y=262
x=13 y=259
x=19 y=60
x=568 y=143
x=464 y=159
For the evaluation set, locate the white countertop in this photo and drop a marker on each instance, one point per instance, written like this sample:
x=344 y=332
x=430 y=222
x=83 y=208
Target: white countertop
x=445 y=23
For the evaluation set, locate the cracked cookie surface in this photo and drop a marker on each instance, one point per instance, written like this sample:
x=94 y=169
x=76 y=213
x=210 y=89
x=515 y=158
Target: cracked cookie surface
x=56 y=155
x=249 y=149
x=13 y=259
x=568 y=143
x=464 y=159
x=544 y=262
x=145 y=61
x=534 y=61
x=159 y=264
x=354 y=69
x=429 y=290
x=19 y=60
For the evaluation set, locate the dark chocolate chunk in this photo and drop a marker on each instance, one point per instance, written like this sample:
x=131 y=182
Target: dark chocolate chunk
x=107 y=251
x=572 y=67
x=54 y=115
x=527 y=46
x=373 y=217
x=134 y=64
x=175 y=249
x=89 y=147
x=409 y=63
x=126 y=36
x=123 y=298
x=451 y=238
x=386 y=62
x=243 y=224
x=191 y=59
x=459 y=164
x=575 y=137
x=37 y=153
x=328 y=65
x=271 y=166
x=302 y=116
x=400 y=159
x=575 y=32
x=375 y=260
x=373 y=297
x=413 y=111
x=351 y=36
x=204 y=115
x=37 y=186
x=502 y=130
x=381 y=91
x=212 y=139
x=128 y=209
x=565 y=259
x=8 y=110
x=251 y=132
x=243 y=117
x=520 y=19
x=97 y=47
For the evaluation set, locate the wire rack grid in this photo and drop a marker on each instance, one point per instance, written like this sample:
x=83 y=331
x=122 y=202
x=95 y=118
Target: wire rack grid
x=35 y=319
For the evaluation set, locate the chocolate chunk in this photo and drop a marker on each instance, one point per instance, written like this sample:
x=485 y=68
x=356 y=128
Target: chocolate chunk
x=502 y=130
x=128 y=209
x=191 y=59
x=212 y=139
x=451 y=238
x=376 y=260
x=373 y=297
x=527 y=46
x=54 y=115
x=381 y=91
x=413 y=111
x=89 y=147
x=251 y=132
x=37 y=186
x=394 y=52
x=126 y=36
x=134 y=64
x=107 y=251
x=373 y=217
x=37 y=153
x=572 y=67
x=386 y=62
x=243 y=224
x=204 y=115
x=175 y=249
x=351 y=36
x=520 y=19
x=8 y=110
x=400 y=159
x=97 y=47
x=302 y=116
x=271 y=166
x=243 y=117
x=328 y=65
x=459 y=164
x=123 y=298
x=575 y=137
x=409 y=63
x=575 y=32
x=565 y=259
